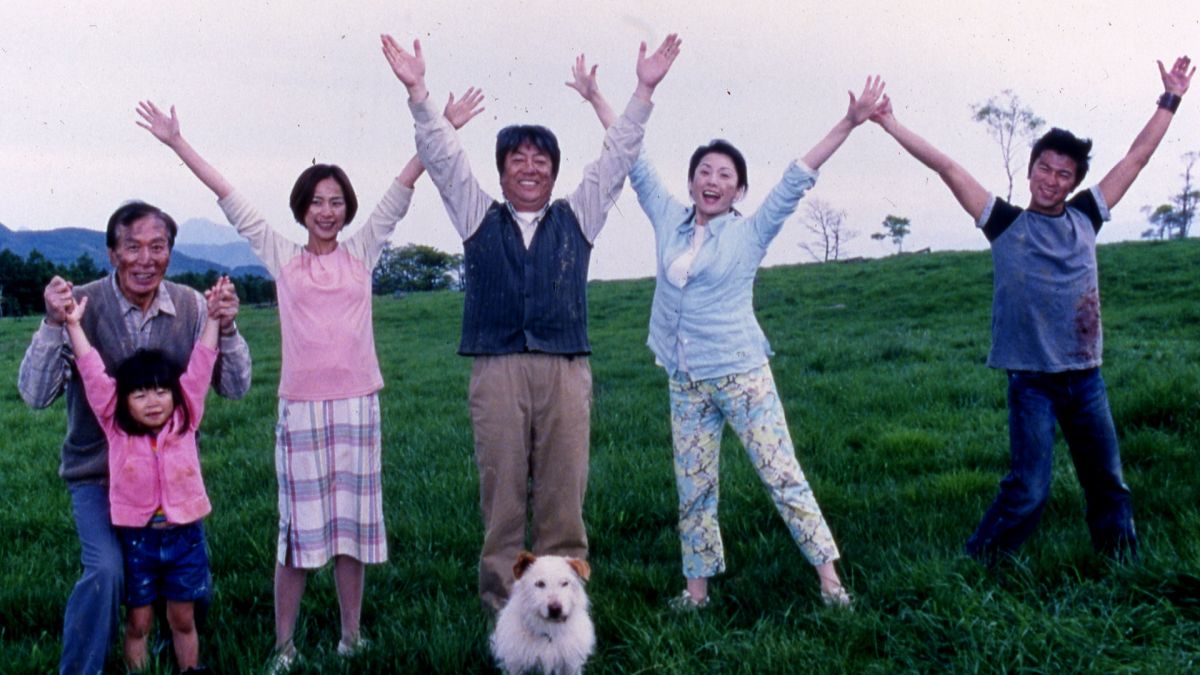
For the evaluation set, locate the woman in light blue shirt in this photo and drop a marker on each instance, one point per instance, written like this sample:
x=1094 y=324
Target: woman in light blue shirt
x=704 y=334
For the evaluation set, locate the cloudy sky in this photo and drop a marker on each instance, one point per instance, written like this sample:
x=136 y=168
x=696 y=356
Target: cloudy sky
x=264 y=88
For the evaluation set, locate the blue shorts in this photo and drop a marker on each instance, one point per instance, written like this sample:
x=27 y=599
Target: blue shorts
x=169 y=563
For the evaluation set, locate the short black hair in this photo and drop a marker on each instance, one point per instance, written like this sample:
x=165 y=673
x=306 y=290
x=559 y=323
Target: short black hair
x=722 y=147
x=306 y=185
x=130 y=212
x=511 y=137
x=1064 y=143
x=147 y=369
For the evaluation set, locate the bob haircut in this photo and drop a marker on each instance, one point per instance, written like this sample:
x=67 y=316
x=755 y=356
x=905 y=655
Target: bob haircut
x=130 y=212
x=511 y=137
x=721 y=147
x=1064 y=143
x=306 y=185
x=147 y=369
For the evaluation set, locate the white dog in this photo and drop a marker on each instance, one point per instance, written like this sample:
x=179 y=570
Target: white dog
x=545 y=626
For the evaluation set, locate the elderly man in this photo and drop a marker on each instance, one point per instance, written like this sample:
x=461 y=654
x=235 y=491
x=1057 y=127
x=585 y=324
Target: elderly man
x=1046 y=322
x=133 y=308
x=525 y=314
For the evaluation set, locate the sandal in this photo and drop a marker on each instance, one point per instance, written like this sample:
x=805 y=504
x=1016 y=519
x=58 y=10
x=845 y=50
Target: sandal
x=838 y=597
x=686 y=603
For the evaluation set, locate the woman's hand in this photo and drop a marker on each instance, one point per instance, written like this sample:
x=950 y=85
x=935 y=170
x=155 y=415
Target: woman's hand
x=868 y=102
x=464 y=109
x=583 y=80
x=164 y=128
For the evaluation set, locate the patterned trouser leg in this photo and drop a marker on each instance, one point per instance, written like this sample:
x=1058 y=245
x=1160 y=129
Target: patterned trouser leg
x=751 y=405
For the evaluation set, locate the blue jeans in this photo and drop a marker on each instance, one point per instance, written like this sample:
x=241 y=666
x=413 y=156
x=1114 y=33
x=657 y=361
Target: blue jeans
x=91 y=618
x=1078 y=401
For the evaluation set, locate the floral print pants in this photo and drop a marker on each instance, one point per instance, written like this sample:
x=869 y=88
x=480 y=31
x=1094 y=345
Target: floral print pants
x=751 y=405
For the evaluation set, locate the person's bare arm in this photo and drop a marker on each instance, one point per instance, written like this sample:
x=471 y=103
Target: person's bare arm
x=1116 y=182
x=970 y=194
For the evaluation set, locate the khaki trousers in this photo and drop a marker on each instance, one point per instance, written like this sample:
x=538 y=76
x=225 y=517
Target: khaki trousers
x=531 y=415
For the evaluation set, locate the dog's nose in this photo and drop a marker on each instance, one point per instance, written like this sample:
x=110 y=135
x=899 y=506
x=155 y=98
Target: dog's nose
x=554 y=609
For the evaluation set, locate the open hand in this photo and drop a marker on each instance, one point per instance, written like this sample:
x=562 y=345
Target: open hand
x=409 y=68
x=165 y=128
x=862 y=108
x=464 y=109
x=583 y=80
x=651 y=70
x=1176 y=80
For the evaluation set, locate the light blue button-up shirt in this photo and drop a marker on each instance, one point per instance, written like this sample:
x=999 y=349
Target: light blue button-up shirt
x=706 y=328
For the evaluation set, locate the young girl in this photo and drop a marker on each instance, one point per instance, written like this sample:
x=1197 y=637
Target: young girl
x=149 y=414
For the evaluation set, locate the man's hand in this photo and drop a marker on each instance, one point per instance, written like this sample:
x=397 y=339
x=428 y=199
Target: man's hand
x=1176 y=80
x=60 y=300
x=409 y=68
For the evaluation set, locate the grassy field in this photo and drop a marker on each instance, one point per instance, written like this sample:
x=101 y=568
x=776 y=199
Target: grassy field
x=898 y=423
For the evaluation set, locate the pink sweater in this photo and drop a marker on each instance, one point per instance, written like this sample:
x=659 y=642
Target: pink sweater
x=141 y=480
x=324 y=300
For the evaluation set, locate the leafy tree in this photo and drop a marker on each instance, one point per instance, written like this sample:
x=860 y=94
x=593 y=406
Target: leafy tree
x=1008 y=120
x=83 y=270
x=894 y=228
x=415 y=267
x=22 y=282
x=1174 y=220
x=829 y=226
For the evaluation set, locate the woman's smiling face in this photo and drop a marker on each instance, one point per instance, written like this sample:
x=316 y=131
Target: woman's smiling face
x=714 y=186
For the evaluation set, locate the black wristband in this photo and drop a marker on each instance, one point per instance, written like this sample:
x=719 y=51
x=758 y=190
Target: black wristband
x=1169 y=101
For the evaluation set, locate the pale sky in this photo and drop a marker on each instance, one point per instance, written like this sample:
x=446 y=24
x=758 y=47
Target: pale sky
x=264 y=88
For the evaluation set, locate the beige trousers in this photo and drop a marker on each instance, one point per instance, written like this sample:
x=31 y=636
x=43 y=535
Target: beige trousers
x=531 y=415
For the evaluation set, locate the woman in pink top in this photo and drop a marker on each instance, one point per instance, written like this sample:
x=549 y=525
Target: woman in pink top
x=149 y=414
x=327 y=447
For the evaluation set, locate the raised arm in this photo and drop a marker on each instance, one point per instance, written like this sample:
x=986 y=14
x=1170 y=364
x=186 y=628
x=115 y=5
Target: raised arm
x=458 y=113
x=652 y=69
x=79 y=340
x=166 y=129
x=970 y=194
x=1116 y=182
x=584 y=81
x=44 y=368
x=860 y=110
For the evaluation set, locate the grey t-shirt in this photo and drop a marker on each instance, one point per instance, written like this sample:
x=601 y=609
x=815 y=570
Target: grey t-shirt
x=1046 y=303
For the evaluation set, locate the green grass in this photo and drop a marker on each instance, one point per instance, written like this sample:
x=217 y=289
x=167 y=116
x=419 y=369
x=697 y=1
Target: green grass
x=899 y=425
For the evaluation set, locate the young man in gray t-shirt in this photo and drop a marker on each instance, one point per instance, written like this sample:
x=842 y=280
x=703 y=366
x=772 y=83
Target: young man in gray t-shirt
x=1046 y=322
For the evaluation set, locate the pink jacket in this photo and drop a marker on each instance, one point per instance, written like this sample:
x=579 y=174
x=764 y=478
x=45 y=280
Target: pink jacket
x=141 y=480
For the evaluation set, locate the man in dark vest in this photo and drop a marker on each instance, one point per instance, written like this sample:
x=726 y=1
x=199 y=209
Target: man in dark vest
x=131 y=309
x=525 y=313
x=1046 y=323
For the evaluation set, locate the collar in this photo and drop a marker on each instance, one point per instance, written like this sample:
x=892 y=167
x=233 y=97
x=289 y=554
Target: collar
x=714 y=226
x=537 y=218
x=161 y=304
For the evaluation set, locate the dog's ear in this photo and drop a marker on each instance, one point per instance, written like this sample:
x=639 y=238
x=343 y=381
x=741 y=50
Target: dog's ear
x=581 y=567
x=524 y=560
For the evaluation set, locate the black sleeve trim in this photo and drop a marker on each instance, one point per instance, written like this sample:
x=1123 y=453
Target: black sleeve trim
x=1003 y=214
x=1085 y=203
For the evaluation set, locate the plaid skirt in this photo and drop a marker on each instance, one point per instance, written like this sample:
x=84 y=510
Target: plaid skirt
x=327 y=461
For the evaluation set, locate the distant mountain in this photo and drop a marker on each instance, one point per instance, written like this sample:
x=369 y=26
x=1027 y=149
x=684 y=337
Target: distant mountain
x=205 y=231
x=64 y=246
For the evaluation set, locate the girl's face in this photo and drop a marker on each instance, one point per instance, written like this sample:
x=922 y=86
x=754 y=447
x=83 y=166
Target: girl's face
x=151 y=407
x=326 y=214
x=714 y=186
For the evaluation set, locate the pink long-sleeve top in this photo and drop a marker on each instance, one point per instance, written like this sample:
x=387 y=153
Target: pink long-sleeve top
x=324 y=300
x=145 y=473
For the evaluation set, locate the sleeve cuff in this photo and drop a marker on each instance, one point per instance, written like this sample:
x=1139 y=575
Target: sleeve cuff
x=638 y=110
x=423 y=112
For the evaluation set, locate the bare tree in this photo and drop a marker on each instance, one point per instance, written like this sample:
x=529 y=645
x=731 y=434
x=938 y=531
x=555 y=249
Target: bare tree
x=1174 y=220
x=829 y=226
x=1007 y=121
